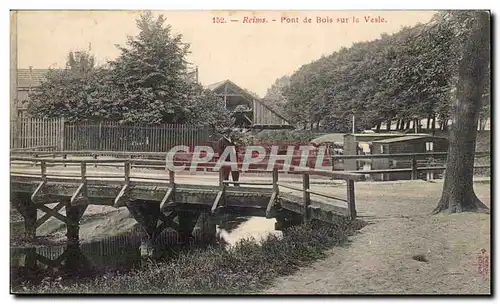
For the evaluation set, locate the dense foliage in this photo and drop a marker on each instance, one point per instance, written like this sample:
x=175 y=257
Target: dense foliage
x=410 y=74
x=146 y=84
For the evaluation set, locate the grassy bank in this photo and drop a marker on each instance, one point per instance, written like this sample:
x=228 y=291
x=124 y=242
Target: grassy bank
x=244 y=268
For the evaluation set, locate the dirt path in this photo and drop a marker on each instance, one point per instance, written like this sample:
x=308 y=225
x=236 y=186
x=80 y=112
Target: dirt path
x=379 y=258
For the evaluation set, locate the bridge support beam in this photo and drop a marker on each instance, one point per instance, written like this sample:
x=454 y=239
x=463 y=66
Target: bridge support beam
x=286 y=220
x=72 y=259
x=187 y=222
x=205 y=228
x=73 y=217
x=22 y=202
x=147 y=214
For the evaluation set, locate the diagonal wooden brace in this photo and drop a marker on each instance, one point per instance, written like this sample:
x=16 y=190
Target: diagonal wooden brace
x=80 y=195
x=36 y=195
x=166 y=198
x=270 y=205
x=54 y=213
x=167 y=221
x=218 y=199
x=46 y=216
x=46 y=261
x=122 y=197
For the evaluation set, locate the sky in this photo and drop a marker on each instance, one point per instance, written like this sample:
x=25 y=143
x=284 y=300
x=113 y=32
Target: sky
x=253 y=55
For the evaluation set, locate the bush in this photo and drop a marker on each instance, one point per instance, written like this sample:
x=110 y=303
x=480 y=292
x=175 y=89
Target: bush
x=299 y=135
x=247 y=266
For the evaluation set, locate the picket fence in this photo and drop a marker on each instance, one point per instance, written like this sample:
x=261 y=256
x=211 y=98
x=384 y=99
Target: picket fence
x=29 y=133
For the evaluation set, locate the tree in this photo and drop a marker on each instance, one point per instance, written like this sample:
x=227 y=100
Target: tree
x=80 y=62
x=67 y=93
x=275 y=97
x=146 y=84
x=206 y=108
x=149 y=74
x=458 y=191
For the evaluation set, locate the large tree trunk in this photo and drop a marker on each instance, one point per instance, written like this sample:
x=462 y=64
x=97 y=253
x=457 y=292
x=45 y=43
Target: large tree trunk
x=388 y=125
x=445 y=124
x=378 y=127
x=458 y=190
x=408 y=124
x=433 y=124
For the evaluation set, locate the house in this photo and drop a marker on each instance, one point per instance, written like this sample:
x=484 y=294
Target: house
x=407 y=144
x=249 y=109
x=355 y=143
x=27 y=80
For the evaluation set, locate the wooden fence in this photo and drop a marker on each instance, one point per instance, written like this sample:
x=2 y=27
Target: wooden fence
x=34 y=132
x=115 y=137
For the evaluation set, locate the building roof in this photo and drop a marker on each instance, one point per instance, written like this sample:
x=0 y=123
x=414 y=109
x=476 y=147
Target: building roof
x=214 y=86
x=407 y=138
x=30 y=77
x=376 y=134
x=250 y=95
x=273 y=107
x=271 y=110
x=330 y=138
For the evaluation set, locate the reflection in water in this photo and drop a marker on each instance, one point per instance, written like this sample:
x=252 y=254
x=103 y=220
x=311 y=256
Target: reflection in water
x=117 y=253
x=256 y=227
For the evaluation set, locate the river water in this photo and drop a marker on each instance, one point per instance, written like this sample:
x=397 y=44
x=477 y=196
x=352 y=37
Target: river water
x=116 y=253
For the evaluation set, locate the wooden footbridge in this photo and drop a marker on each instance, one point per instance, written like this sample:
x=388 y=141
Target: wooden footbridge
x=156 y=200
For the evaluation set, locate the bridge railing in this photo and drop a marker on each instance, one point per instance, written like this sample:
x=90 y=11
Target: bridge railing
x=126 y=177
x=417 y=162
x=411 y=164
x=151 y=160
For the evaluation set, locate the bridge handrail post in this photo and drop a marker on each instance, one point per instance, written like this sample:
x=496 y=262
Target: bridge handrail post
x=306 y=196
x=414 y=168
x=83 y=180
x=43 y=169
x=275 y=181
x=171 y=177
x=166 y=161
x=83 y=171
x=222 y=170
x=222 y=185
x=34 y=163
x=351 y=200
x=127 y=172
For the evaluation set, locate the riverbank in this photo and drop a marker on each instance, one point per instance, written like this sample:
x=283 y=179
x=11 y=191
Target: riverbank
x=246 y=267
